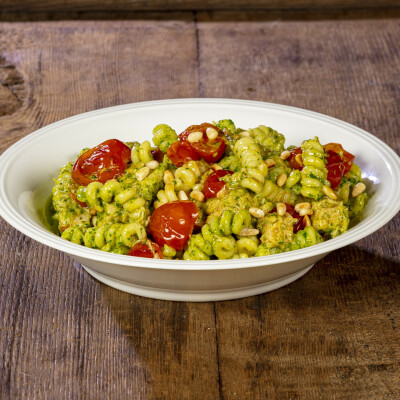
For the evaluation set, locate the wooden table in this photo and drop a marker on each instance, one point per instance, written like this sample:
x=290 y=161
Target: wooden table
x=333 y=334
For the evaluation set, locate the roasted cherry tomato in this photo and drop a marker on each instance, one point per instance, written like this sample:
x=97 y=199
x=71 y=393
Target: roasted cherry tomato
x=106 y=161
x=210 y=151
x=145 y=249
x=213 y=184
x=299 y=225
x=158 y=155
x=181 y=152
x=292 y=158
x=172 y=223
x=339 y=162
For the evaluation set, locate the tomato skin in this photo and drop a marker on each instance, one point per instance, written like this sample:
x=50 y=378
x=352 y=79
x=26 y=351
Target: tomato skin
x=172 y=223
x=158 y=155
x=299 y=225
x=103 y=162
x=292 y=158
x=181 y=152
x=213 y=184
x=210 y=151
x=142 y=249
x=339 y=162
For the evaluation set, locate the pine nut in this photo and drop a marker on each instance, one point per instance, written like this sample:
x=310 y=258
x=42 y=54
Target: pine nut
x=152 y=164
x=216 y=167
x=195 y=137
x=281 y=180
x=198 y=186
x=168 y=177
x=269 y=162
x=142 y=173
x=244 y=133
x=182 y=195
x=301 y=206
x=329 y=192
x=222 y=193
x=256 y=212
x=281 y=209
x=197 y=195
x=94 y=220
x=285 y=154
x=358 y=189
x=249 y=232
x=299 y=159
x=306 y=220
x=211 y=133
x=306 y=211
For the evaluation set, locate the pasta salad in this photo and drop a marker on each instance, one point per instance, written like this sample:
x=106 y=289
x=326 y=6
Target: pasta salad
x=214 y=191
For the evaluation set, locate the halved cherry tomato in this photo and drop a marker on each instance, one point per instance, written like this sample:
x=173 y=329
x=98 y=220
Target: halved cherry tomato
x=181 y=152
x=210 y=151
x=102 y=163
x=158 y=155
x=213 y=184
x=142 y=249
x=292 y=158
x=339 y=162
x=172 y=223
x=299 y=225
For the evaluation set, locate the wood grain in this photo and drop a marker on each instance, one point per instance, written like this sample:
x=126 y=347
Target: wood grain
x=189 y=5
x=333 y=334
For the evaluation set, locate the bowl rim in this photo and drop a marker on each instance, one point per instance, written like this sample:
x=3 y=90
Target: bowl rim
x=361 y=230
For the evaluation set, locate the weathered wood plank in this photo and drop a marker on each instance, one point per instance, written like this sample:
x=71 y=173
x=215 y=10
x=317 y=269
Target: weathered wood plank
x=168 y=5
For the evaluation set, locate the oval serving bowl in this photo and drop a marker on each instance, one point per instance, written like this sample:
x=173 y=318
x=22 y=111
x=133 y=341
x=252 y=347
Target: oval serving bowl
x=28 y=167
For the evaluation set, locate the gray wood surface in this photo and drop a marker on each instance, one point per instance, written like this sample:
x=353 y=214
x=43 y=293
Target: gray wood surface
x=333 y=334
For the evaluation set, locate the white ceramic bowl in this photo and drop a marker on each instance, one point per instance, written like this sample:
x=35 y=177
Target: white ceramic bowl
x=28 y=167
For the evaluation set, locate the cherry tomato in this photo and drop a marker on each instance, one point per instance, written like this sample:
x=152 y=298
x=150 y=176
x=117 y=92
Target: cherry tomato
x=144 y=249
x=158 y=155
x=181 y=152
x=346 y=157
x=292 y=158
x=213 y=184
x=210 y=151
x=299 y=225
x=172 y=223
x=102 y=163
x=339 y=162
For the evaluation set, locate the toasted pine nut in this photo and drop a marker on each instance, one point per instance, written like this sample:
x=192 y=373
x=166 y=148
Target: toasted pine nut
x=256 y=212
x=269 y=162
x=300 y=206
x=211 y=133
x=306 y=220
x=285 y=154
x=197 y=195
x=329 y=192
x=153 y=164
x=216 y=167
x=94 y=220
x=249 y=232
x=305 y=211
x=222 y=193
x=358 y=189
x=244 y=133
x=281 y=180
x=299 y=159
x=142 y=173
x=182 y=195
x=195 y=137
x=281 y=209
x=168 y=176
